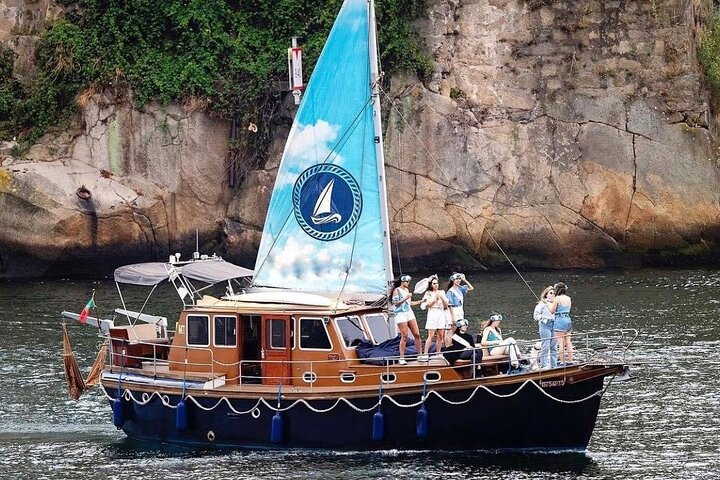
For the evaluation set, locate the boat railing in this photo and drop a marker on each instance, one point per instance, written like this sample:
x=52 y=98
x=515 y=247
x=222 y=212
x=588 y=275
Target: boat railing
x=153 y=355
x=595 y=347
x=603 y=346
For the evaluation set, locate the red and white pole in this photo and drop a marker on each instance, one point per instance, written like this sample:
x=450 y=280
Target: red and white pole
x=295 y=70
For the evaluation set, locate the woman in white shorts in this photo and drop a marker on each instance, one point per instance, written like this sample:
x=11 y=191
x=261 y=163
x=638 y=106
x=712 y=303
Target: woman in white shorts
x=436 y=303
x=401 y=300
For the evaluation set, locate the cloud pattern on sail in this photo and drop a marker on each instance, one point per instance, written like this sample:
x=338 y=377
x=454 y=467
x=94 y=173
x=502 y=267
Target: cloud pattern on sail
x=323 y=230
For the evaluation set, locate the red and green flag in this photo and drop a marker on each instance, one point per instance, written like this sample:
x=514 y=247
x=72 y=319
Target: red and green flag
x=86 y=311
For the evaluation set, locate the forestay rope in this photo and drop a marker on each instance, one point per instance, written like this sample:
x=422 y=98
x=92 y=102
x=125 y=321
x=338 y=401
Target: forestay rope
x=443 y=174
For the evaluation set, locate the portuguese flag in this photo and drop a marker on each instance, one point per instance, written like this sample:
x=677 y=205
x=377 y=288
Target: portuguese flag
x=85 y=311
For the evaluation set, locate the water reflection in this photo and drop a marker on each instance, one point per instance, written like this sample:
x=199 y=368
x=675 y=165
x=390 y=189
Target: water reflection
x=663 y=423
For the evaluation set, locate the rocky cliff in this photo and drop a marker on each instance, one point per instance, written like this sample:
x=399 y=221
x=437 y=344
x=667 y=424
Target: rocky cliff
x=570 y=133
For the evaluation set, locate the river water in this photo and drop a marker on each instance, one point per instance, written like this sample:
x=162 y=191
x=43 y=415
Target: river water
x=662 y=423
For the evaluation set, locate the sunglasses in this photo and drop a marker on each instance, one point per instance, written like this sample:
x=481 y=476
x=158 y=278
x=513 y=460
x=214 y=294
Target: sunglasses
x=434 y=283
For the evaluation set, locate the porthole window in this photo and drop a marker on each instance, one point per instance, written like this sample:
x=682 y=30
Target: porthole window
x=432 y=376
x=309 y=377
x=347 y=377
x=388 y=377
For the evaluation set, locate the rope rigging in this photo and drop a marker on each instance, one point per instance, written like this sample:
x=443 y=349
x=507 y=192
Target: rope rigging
x=448 y=185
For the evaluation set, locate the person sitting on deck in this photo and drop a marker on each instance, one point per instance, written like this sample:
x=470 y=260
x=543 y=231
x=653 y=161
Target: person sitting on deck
x=463 y=345
x=493 y=339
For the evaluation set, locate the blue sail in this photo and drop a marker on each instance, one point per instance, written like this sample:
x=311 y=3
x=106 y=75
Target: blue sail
x=324 y=227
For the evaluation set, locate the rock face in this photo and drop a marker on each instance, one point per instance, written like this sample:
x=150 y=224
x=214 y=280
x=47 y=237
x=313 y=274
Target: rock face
x=131 y=186
x=570 y=133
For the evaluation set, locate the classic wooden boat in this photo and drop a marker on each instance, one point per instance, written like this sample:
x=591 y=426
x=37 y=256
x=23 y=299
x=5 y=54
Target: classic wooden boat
x=292 y=360
x=250 y=370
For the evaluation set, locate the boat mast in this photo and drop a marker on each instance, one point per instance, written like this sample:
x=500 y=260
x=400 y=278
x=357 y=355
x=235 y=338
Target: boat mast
x=379 y=153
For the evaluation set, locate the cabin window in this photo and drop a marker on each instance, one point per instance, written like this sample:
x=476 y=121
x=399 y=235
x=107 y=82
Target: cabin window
x=347 y=377
x=309 y=377
x=378 y=327
x=276 y=333
x=352 y=330
x=198 y=333
x=225 y=331
x=432 y=376
x=313 y=334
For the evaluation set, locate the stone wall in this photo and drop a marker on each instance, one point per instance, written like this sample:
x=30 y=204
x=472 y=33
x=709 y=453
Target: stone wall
x=570 y=133
x=573 y=133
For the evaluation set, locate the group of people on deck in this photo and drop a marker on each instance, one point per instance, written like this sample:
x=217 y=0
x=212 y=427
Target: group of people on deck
x=554 y=324
x=447 y=327
x=444 y=309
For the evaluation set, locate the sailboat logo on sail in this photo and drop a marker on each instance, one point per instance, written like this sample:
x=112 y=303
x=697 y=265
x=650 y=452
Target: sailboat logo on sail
x=326 y=201
x=323 y=207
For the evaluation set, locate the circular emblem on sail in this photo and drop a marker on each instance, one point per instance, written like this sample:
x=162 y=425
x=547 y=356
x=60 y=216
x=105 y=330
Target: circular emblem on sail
x=326 y=201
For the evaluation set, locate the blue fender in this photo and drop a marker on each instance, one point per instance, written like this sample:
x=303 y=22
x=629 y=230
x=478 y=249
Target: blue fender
x=118 y=414
x=276 y=428
x=181 y=416
x=378 y=427
x=422 y=422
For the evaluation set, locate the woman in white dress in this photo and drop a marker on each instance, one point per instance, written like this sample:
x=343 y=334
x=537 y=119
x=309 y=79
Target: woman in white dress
x=436 y=303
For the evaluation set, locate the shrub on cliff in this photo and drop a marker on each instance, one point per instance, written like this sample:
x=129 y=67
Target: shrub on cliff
x=230 y=55
x=709 y=53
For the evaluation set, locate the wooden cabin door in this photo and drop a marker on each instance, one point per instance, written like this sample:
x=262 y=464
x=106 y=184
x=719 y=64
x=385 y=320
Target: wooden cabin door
x=277 y=344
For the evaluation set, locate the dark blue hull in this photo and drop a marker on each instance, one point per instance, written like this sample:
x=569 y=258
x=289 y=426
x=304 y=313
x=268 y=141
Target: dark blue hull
x=529 y=419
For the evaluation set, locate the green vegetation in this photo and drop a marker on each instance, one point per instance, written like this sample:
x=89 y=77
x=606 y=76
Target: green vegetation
x=709 y=53
x=227 y=56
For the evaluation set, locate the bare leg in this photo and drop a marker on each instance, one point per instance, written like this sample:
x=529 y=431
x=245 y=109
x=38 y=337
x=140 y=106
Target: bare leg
x=448 y=336
x=403 y=327
x=440 y=340
x=412 y=324
x=561 y=346
x=569 y=346
x=431 y=334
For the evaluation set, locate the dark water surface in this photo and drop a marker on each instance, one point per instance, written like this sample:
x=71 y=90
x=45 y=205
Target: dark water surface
x=663 y=423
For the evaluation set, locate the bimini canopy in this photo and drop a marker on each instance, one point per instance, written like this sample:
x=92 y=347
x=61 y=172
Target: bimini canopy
x=143 y=273
x=207 y=271
x=214 y=271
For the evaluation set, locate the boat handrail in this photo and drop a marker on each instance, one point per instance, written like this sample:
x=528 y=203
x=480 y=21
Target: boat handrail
x=155 y=345
x=618 y=343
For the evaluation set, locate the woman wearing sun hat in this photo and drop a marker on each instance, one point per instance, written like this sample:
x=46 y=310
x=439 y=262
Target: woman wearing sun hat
x=401 y=300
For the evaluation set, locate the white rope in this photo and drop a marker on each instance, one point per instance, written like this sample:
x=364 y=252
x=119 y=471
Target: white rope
x=127 y=395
